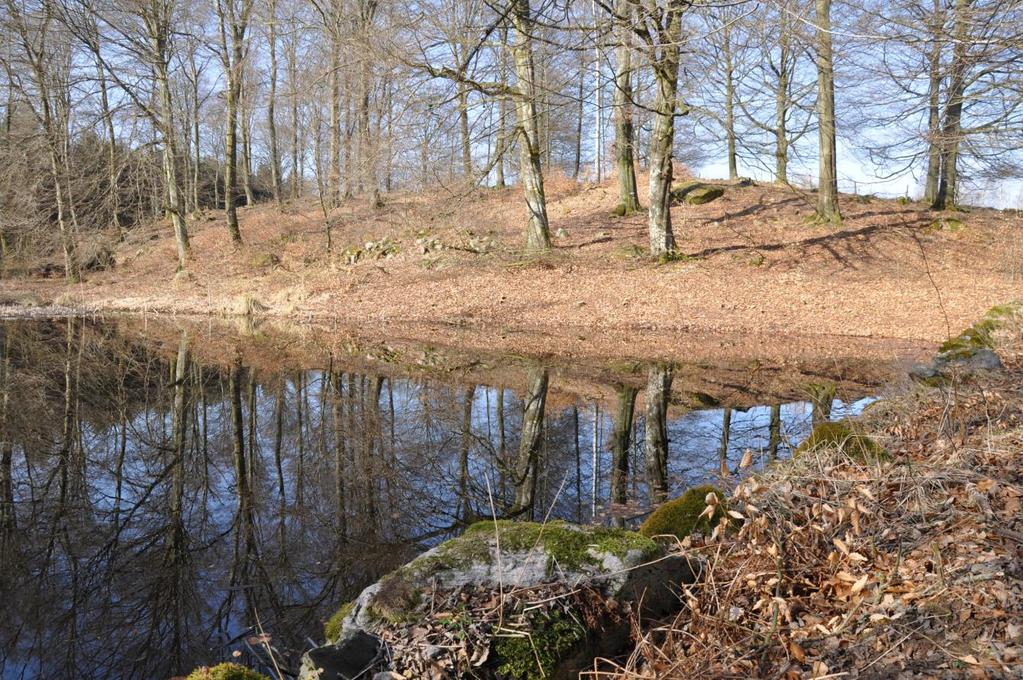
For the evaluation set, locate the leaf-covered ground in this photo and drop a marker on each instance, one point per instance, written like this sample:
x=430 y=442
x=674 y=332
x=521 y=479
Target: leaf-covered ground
x=447 y=265
x=902 y=568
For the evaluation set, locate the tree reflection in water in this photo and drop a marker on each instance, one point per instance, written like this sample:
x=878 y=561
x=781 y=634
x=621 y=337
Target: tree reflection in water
x=156 y=511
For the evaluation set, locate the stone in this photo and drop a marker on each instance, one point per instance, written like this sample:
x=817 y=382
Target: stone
x=351 y=657
x=696 y=193
x=961 y=361
x=623 y=568
x=979 y=359
x=682 y=516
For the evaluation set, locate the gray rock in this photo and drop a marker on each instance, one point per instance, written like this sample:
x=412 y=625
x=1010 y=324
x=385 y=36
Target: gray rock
x=960 y=362
x=975 y=360
x=624 y=567
x=353 y=656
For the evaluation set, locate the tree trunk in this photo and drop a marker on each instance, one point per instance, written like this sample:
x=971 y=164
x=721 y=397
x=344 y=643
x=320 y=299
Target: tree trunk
x=246 y=114
x=827 y=184
x=464 y=511
x=658 y=391
x=8 y=517
x=296 y=175
x=934 y=105
x=112 y=173
x=781 y=100
x=774 y=433
x=232 y=46
x=530 y=172
x=502 y=108
x=822 y=396
x=67 y=237
x=531 y=439
x=951 y=135
x=580 y=112
x=463 y=129
x=620 y=440
x=197 y=159
x=726 y=435
x=628 y=197
x=179 y=429
x=175 y=202
x=334 y=161
x=271 y=103
x=733 y=169
x=662 y=139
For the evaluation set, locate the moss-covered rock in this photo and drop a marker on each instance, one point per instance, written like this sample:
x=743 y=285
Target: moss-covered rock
x=980 y=334
x=225 y=671
x=562 y=545
x=553 y=637
x=332 y=627
x=696 y=193
x=971 y=351
x=684 y=515
x=949 y=224
x=611 y=566
x=844 y=436
x=264 y=259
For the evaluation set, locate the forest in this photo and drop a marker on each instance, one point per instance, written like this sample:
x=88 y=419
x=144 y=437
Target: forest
x=119 y=113
x=511 y=339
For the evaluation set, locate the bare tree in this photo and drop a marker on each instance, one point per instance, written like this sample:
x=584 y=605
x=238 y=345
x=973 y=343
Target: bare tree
x=827 y=185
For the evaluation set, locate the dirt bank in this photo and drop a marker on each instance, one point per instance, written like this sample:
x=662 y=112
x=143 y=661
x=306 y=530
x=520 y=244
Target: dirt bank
x=448 y=265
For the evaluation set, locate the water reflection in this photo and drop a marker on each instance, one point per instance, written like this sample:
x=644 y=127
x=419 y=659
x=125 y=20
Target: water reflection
x=158 y=510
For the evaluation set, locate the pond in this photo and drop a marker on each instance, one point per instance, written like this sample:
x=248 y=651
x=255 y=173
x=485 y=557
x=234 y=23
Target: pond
x=171 y=491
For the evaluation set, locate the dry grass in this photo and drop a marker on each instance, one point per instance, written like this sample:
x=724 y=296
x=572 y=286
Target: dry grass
x=906 y=568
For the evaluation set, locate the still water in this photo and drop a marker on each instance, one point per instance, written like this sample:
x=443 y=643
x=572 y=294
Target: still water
x=168 y=493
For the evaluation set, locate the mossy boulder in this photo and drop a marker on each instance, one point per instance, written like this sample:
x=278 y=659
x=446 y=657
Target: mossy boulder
x=949 y=224
x=225 y=671
x=332 y=627
x=696 y=193
x=264 y=259
x=846 y=437
x=981 y=334
x=539 y=655
x=684 y=515
x=614 y=565
x=508 y=553
x=970 y=351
